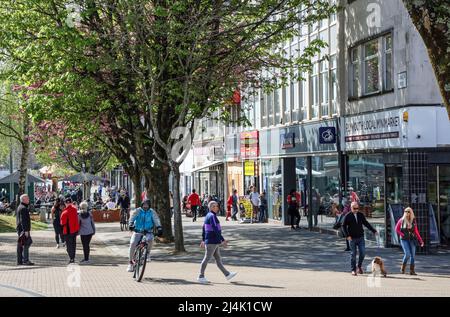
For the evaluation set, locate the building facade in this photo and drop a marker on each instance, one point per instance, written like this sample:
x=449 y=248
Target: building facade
x=367 y=124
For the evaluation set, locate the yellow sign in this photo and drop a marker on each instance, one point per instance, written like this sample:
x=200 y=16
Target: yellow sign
x=248 y=208
x=249 y=168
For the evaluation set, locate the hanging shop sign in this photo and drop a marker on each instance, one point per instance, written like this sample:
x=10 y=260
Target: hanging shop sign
x=250 y=144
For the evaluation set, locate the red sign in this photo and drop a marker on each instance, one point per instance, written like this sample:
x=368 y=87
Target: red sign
x=250 y=144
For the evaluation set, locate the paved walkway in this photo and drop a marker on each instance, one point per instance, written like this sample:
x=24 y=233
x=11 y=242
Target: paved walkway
x=271 y=260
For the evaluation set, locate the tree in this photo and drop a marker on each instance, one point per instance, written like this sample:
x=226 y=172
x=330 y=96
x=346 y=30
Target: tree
x=15 y=124
x=431 y=18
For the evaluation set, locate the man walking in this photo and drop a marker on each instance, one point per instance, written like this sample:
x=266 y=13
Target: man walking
x=235 y=204
x=194 y=201
x=23 y=227
x=354 y=232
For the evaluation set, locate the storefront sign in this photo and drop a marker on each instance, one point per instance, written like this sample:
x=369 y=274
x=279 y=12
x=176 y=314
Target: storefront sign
x=250 y=144
x=297 y=139
x=249 y=168
x=374 y=130
x=288 y=140
x=327 y=135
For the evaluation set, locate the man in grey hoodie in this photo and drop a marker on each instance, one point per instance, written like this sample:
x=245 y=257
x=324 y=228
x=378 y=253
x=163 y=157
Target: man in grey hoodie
x=87 y=230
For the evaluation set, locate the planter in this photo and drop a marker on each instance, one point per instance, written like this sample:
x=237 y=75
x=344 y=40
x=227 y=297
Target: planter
x=111 y=215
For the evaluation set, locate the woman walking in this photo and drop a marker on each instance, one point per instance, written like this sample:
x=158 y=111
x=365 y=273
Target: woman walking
x=212 y=240
x=409 y=238
x=87 y=230
x=56 y=216
x=71 y=226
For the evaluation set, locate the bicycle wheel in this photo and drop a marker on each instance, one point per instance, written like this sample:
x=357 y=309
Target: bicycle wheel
x=141 y=264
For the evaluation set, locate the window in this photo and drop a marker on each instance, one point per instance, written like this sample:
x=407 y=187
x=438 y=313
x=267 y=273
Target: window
x=375 y=59
x=354 y=87
x=295 y=101
x=270 y=108
x=276 y=103
x=388 y=62
x=304 y=98
x=324 y=82
x=286 y=105
x=314 y=79
x=263 y=109
x=371 y=67
x=333 y=92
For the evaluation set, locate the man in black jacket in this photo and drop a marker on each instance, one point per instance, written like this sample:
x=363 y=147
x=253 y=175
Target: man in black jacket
x=354 y=232
x=23 y=227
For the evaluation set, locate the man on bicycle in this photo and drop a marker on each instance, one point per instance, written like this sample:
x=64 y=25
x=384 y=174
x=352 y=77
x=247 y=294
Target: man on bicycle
x=143 y=221
x=124 y=203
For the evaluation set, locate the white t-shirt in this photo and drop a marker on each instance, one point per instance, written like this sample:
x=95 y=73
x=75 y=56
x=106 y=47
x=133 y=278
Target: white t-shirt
x=254 y=197
x=111 y=205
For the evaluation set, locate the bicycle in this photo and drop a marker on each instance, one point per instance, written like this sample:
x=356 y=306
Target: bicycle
x=123 y=219
x=140 y=257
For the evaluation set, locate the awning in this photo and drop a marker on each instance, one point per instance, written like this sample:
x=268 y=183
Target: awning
x=14 y=178
x=211 y=164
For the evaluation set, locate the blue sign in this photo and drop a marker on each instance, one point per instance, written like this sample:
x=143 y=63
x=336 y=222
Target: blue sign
x=288 y=140
x=327 y=135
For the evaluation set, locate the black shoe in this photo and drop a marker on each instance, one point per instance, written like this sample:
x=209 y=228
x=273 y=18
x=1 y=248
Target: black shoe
x=19 y=263
x=297 y=227
x=28 y=263
x=347 y=249
x=71 y=261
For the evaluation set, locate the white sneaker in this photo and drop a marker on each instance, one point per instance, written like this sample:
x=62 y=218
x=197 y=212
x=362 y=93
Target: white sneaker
x=130 y=268
x=64 y=245
x=57 y=246
x=202 y=280
x=231 y=275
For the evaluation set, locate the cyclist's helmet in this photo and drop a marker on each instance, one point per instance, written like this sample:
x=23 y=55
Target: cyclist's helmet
x=146 y=202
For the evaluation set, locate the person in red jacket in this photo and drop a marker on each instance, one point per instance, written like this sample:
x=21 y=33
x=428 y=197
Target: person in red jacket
x=71 y=226
x=194 y=201
x=294 y=201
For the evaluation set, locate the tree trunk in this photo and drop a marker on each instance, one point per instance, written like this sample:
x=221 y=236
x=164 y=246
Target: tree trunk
x=157 y=179
x=178 y=224
x=24 y=156
x=136 y=179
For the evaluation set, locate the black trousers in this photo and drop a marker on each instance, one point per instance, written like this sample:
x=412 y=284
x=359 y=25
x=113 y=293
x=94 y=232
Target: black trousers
x=85 y=241
x=194 y=212
x=71 y=244
x=295 y=217
x=23 y=251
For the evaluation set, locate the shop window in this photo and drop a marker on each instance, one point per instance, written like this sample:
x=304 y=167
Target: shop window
x=367 y=187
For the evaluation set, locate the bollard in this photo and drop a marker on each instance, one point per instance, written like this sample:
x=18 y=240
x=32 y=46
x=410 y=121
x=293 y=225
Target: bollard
x=43 y=215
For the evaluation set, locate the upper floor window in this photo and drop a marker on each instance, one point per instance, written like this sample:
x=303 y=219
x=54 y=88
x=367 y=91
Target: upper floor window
x=371 y=67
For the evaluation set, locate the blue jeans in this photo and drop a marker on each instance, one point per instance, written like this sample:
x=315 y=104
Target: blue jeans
x=262 y=213
x=409 y=247
x=361 y=244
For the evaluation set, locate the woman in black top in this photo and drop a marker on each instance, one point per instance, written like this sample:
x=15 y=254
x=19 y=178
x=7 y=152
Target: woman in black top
x=56 y=215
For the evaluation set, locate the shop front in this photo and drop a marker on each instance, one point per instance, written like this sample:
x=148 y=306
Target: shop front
x=298 y=157
x=394 y=160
